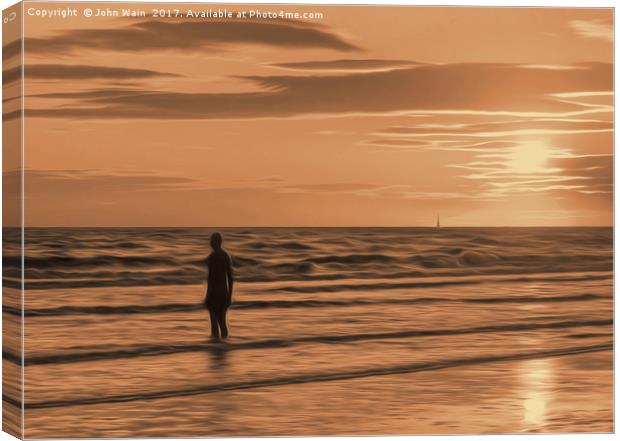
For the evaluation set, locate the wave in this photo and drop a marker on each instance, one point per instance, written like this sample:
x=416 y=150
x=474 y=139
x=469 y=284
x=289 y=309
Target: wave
x=315 y=289
x=286 y=304
x=310 y=378
x=474 y=258
x=104 y=310
x=353 y=259
x=44 y=262
x=588 y=335
x=91 y=257
x=60 y=279
x=289 y=245
x=157 y=350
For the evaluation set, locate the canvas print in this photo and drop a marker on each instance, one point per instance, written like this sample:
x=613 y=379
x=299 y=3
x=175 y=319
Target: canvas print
x=302 y=219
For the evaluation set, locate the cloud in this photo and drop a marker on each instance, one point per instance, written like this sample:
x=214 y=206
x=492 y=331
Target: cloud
x=551 y=66
x=469 y=87
x=386 y=191
x=12 y=74
x=516 y=157
x=536 y=168
x=596 y=170
x=12 y=49
x=92 y=95
x=79 y=72
x=329 y=188
x=95 y=181
x=195 y=36
x=347 y=65
x=397 y=143
x=503 y=128
x=599 y=29
x=8 y=116
x=84 y=182
x=271 y=179
x=593 y=176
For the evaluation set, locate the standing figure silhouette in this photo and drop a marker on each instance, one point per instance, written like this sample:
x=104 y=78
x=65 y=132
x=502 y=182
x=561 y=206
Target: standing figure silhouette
x=219 y=286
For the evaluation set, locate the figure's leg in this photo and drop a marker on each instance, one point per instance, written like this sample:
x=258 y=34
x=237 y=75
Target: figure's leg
x=222 y=320
x=215 y=332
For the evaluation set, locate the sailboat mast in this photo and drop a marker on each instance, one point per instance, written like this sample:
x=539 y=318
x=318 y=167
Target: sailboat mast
x=438 y=225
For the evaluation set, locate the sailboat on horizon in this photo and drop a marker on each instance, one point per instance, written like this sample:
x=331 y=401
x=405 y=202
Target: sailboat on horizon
x=438 y=224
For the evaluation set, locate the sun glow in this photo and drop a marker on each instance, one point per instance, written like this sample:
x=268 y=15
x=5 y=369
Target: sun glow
x=530 y=157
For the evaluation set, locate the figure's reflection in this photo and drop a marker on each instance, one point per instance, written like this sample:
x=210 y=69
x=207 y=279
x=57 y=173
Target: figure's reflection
x=219 y=357
x=223 y=407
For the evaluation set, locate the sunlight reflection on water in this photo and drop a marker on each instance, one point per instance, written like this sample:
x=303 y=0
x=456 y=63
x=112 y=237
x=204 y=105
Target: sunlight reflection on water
x=536 y=376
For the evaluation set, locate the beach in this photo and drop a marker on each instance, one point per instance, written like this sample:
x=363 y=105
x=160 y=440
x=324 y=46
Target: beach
x=333 y=332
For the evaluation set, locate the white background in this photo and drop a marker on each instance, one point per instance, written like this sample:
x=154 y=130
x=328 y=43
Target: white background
x=564 y=3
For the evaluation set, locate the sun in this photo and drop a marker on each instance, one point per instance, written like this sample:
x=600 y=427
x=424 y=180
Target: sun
x=529 y=157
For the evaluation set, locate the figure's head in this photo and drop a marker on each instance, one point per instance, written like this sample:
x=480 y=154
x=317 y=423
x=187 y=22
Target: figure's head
x=216 y=241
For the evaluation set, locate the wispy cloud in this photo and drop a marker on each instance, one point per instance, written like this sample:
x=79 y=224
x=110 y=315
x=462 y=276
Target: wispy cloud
x=12 y=49
x=533 y=167
x=352 y=65
x=594 y=29
x=192 y=36
x=79 y=72
x=521 y=156
x=96 y=181
x=539 y=126
x=471 y=87
x=113 y=183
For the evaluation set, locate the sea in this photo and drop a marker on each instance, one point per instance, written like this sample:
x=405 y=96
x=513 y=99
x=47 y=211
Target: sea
x=333 y=331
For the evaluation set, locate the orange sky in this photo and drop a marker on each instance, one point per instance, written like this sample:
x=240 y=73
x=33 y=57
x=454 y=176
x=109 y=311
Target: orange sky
x=369 y=116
